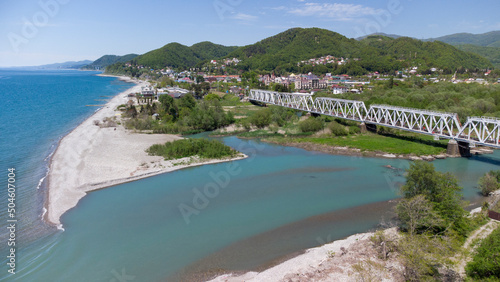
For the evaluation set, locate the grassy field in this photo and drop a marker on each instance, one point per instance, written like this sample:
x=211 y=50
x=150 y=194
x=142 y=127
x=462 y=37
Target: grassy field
x=374 y=142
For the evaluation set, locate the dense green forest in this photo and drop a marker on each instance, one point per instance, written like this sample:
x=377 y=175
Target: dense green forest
x=176 y=55
x=374 y=53
x=282 y=53
x=488 y=39
x=107 y=60
x=490 y=53
x=464 y=99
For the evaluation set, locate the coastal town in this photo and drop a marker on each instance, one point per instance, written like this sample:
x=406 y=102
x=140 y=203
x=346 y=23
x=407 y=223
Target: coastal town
x=230 y=141
x=300 y=83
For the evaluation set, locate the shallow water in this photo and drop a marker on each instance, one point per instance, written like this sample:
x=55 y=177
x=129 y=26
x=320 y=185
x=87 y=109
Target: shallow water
x=197 y=222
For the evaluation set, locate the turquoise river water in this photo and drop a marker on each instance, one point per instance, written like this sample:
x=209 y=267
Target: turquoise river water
x=194 y=223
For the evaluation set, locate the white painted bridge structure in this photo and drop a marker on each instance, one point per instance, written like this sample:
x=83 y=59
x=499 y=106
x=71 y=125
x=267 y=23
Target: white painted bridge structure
x=476 y=130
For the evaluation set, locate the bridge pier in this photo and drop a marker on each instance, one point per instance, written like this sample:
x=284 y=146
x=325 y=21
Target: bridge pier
x=362 y=127
x=464 y=148
x=370 y=127
x=458 y=149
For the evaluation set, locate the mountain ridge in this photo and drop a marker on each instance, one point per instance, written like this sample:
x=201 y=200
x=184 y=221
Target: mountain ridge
x=283 y=51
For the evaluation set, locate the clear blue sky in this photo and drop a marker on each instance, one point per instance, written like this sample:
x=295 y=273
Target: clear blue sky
x=66 y=30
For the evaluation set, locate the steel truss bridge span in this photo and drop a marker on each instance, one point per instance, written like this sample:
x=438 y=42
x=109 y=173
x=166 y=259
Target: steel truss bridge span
x=476 y=130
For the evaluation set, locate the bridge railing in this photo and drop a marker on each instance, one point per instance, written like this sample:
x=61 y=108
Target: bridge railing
x=441 y=124
x=347 y=109
x=480 y=130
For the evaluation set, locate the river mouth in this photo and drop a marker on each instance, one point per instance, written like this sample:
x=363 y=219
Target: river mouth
x=270 y=248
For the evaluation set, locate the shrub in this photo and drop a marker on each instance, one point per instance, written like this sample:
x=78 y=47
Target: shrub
x=488 y=183
x=486 y=263
x=311 y=125
x=354 y=129
x=211 y=97
x=338 y=129
x=261 y=118
x=140 y=124
x=281 y=115
x=204 y=148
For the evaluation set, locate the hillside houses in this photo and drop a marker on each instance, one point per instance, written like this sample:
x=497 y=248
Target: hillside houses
x=324 y=60
x=307 y=82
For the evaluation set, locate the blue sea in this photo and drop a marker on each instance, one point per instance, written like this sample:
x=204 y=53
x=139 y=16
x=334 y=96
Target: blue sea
x=191 y=224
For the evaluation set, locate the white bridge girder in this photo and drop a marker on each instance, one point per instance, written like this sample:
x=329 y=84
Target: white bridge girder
x=477 y=130
x=347 y=109
x=443 y=125
x=481 y=131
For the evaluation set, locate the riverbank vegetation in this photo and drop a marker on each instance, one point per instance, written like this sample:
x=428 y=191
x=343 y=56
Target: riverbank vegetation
x=485 y=265
x=203 y=148
x=490 y=182
x=178 y=116
x=433 y=225
x=466 y=100
x=217 y=111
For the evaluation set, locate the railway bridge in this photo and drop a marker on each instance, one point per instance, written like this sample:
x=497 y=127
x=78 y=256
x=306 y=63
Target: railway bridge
x=484 y=131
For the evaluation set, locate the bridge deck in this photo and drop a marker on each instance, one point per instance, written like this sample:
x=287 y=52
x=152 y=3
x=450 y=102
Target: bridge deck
x=476 y=130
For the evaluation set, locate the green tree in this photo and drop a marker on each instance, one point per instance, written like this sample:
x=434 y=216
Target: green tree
x=198 y=90
x=338 y=129
x=211 y=97
x=311 y=125
x=261 y=118
x=187 y=101
x=417 y=214
x=488 y=183
x=167 y=105
x=390 y=83
x=441 y=189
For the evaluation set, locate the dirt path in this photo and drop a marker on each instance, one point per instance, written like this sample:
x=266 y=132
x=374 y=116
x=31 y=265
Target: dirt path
x=480 y=234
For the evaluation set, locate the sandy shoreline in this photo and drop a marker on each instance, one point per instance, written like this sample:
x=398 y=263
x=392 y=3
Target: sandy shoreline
x=92 y=157
x=331 y=262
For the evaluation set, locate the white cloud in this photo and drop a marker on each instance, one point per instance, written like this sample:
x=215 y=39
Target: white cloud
x=244 y=17
x=335 y=11
x=280 y=8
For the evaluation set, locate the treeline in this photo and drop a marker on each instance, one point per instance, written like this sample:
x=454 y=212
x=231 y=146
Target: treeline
x=464 y=99
x=203 y=148
x=173 y=116
x=283 y=52
x=490 y=53
x=176 y=56
x=434 y=223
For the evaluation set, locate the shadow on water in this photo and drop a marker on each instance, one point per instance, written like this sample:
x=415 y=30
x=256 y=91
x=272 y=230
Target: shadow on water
x=280 y=244
x=486 y=159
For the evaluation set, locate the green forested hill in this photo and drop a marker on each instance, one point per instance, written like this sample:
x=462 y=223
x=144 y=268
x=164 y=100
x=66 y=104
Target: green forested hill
x=180 y=56
x=375 y=53
x=107 y=60
x=292 y=46
x=208 y=50
x=428 y=54
x=283 y=52
x=490 y=53
x=489 y=39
